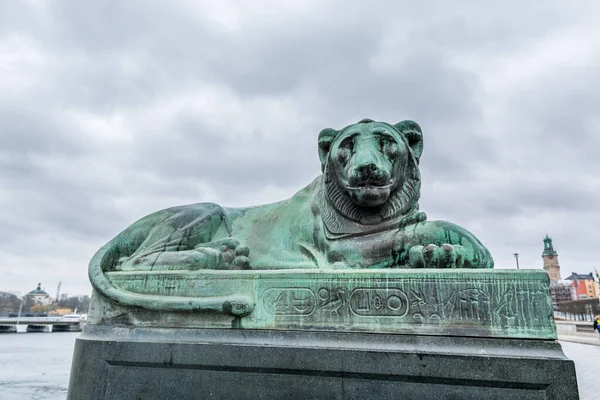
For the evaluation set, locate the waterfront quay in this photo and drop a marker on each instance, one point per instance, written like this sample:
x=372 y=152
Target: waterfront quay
x=66 y=323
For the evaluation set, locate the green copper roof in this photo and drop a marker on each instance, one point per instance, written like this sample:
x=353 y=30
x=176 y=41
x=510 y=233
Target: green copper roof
x=548 y=249
x=38 y=291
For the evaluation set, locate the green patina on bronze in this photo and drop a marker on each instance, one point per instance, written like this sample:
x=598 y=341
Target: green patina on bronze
x=501 y=303
x=362 y=212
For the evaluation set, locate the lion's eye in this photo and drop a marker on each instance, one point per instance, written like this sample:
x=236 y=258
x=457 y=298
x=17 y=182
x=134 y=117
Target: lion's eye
x=383 y=141
x=347 y=144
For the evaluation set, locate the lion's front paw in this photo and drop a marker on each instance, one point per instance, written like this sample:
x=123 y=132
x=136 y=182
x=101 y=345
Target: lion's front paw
x=234 y=255
x=432 y=256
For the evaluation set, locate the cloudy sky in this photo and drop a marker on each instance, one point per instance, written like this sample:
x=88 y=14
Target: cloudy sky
x=110 y=110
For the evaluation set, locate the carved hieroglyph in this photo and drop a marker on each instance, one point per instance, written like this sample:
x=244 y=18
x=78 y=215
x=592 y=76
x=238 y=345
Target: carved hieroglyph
x=501 y=303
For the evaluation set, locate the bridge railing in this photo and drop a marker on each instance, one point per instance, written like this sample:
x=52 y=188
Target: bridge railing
x=38 y=321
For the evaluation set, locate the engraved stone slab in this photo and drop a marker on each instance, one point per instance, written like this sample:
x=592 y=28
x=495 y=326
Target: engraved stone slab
x=498 y=303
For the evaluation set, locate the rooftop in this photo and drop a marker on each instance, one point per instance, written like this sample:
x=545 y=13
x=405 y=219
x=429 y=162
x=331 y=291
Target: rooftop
x=580 y=277
x=38 y=291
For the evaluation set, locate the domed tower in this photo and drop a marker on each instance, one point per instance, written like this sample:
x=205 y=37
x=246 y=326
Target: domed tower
x=550 y=257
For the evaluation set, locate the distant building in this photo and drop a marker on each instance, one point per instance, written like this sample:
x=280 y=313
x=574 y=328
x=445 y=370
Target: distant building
x=574 y=287
x=38 y=296
x=584 y=284
x=561 y=291
x=550 y=257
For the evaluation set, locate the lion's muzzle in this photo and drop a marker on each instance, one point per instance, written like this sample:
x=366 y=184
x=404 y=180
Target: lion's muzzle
x=369 y=195
x=369 y=184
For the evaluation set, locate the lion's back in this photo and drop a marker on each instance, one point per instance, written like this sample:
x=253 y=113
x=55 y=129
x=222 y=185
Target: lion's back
x=162 y=223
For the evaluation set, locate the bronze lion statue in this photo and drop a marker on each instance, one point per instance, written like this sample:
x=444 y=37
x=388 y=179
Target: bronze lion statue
x=362 y=212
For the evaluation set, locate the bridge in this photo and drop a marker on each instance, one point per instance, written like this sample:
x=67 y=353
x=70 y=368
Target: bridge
x=41 y=324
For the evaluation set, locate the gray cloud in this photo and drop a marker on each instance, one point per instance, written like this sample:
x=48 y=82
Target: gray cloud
x=112 y=110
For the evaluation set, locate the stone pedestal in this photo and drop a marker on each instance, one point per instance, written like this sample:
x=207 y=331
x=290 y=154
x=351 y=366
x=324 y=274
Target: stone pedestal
x=153 y=363
x=368 y=334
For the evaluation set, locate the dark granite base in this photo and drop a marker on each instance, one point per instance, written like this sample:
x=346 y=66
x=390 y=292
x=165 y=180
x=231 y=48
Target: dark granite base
x=145 y=363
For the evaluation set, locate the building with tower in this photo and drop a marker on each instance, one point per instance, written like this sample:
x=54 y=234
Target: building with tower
x=551 y=265
x=39 y=296
x=560 y=291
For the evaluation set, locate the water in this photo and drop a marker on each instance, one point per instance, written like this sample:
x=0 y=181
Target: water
x=36 y=366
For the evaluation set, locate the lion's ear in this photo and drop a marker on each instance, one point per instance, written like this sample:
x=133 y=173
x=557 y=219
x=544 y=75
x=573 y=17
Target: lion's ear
x=326 y=137
x=413 y=134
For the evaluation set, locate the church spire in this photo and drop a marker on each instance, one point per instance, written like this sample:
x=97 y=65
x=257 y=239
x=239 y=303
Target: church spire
x=550 y=256
x=548 y=249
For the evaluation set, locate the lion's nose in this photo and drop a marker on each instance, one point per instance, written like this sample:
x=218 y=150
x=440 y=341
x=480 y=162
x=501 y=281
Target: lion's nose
x=369 y=172
x=367 y=169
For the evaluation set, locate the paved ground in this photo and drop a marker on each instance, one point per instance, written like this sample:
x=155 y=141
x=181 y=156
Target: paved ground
x=592 y=339
x=587 y=364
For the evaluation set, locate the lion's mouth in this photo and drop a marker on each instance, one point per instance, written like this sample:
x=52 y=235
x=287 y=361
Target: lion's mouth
x=369 y=186
x=369 y=194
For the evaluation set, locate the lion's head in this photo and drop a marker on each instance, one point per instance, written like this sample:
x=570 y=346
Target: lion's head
x=371 y=169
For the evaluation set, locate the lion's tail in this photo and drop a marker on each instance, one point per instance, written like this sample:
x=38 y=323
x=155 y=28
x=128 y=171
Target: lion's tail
x=237 y=305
